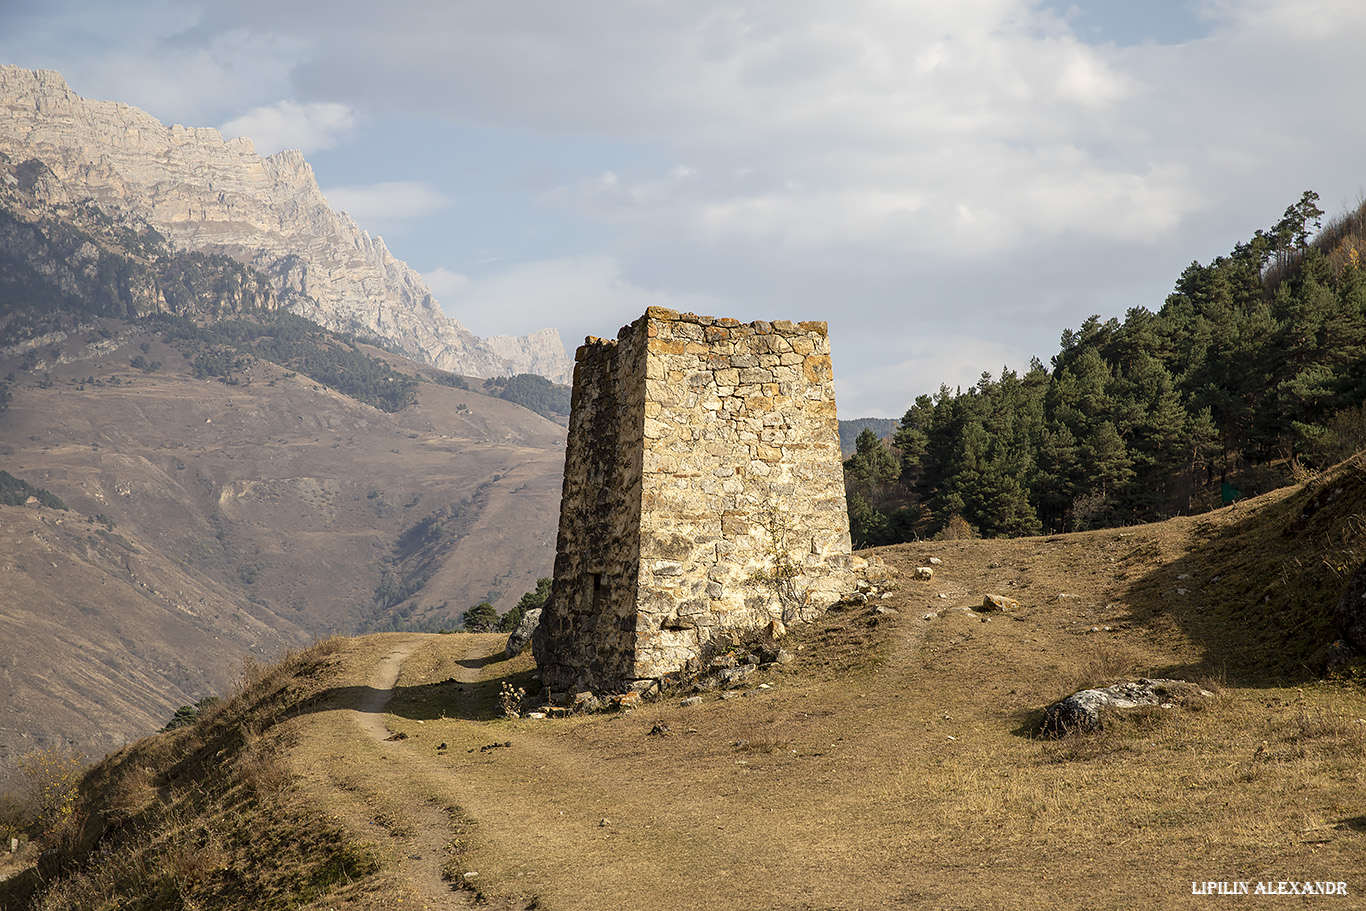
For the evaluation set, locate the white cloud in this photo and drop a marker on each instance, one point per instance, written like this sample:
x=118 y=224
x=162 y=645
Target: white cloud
x=389 y=206
x=289 y=125
x=580 y=296
x=153 y=54
x=956 y=361
x=444 y=283
x=975 y=165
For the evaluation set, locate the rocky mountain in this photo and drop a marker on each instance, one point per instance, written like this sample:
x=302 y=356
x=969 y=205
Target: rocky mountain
x=213 y=477
x=221 y=197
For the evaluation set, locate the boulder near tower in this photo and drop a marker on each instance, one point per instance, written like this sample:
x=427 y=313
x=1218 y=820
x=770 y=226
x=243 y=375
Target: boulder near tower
x=703 y=497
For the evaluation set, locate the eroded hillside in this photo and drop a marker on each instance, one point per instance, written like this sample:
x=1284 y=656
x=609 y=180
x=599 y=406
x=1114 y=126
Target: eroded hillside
x=215 y=517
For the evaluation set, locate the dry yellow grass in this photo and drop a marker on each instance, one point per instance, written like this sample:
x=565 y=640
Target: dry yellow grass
x=895 y=763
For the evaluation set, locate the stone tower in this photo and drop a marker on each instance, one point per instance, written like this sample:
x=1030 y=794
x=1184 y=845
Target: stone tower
x=703 y=497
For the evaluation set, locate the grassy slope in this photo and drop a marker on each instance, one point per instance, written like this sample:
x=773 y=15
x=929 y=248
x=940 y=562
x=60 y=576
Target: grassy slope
x=895 y=763
x=244 y=518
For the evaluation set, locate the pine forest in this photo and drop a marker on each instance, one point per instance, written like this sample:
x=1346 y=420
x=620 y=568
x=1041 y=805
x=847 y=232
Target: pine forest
x=1251 y=374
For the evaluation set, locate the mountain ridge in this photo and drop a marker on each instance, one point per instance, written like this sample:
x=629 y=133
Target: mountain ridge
x=219 y=196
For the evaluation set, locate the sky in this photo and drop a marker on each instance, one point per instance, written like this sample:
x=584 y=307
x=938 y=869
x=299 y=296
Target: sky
x=948 y=185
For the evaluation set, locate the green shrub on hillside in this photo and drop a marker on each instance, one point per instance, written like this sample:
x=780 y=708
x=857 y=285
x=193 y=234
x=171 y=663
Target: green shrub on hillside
x=530 y=601
x=226 y=347
x=531 y=391
x=15 y=492
x=482 y=618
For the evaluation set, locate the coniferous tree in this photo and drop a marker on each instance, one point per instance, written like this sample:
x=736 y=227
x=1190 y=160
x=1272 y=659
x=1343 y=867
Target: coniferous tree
x=1253 y=364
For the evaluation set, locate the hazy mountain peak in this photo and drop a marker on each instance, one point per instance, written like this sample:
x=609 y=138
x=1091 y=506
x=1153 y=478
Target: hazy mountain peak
x=220 y=196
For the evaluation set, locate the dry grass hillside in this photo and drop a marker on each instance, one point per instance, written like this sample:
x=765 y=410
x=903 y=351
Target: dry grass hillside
x=896 y=763
x=210 y=521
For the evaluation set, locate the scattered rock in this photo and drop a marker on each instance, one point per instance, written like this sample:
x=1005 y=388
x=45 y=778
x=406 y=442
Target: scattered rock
x=1083 y=711
x=604 y=823
x=627 y=701
x=399 y=736
x=521 y=636
x=1350 y=614
x=877 y=571
x=1340 y=657
x=888 y=611
x=998 y=603
x=732 y=676
x=585 y=701
x=924 y=573
x=660 y=729
x=691 y=701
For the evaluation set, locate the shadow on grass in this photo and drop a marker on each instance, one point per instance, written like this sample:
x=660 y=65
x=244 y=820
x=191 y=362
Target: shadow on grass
x=478 y=701
x=1258 y=587
x=1030 y=724
x=475 y=664
x=20 y=889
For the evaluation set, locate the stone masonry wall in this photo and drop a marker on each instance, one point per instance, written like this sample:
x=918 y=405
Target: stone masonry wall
x=709 y=502
x=587 y=631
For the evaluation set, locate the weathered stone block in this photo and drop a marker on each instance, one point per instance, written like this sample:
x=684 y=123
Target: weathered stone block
x=675 y=509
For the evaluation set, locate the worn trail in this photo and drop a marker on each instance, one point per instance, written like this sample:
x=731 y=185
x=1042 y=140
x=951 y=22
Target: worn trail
x=424 y=832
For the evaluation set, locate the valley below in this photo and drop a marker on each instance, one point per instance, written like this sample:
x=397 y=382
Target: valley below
x=212 y=520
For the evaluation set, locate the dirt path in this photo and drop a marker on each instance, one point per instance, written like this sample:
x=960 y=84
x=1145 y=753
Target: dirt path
x=370 y=713
x=426 y=833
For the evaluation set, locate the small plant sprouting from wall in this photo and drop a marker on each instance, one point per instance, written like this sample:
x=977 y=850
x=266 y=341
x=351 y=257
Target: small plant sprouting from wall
x=780 y=572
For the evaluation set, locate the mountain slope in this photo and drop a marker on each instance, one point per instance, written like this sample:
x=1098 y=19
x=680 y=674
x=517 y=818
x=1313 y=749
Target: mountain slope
x=221 y=197
x=895 y=762
x=239 y=479
x=274 y=505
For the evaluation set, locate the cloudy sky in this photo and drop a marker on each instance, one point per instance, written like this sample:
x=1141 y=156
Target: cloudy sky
x=948 y=184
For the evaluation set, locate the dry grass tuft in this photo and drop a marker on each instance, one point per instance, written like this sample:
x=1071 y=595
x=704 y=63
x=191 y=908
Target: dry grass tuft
x=208 y=816
x=1106 y=663
x=263 y=772
x=763 y=745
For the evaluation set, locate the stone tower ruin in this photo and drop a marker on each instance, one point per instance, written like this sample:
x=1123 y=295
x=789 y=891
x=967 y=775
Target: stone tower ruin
x=703 y=497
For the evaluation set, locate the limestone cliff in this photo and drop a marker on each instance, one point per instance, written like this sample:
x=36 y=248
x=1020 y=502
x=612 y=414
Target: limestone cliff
x=219 y=196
